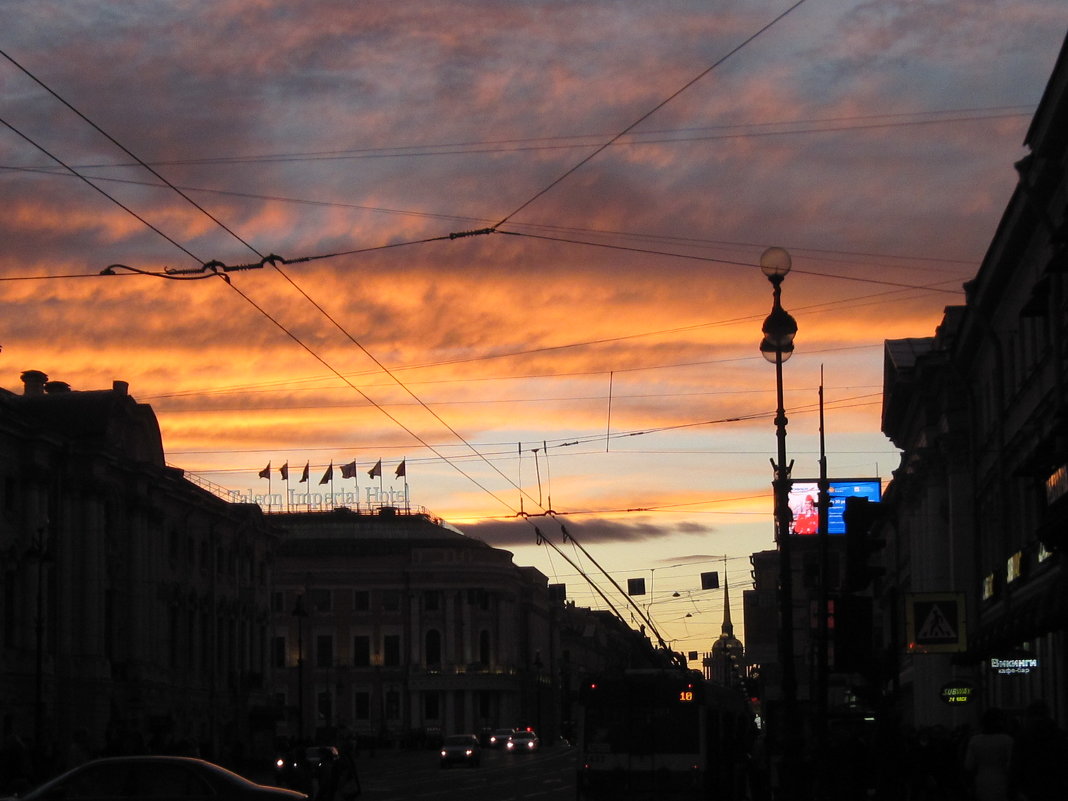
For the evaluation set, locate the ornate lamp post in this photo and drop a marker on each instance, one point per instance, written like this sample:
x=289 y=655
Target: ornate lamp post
x=777 y=346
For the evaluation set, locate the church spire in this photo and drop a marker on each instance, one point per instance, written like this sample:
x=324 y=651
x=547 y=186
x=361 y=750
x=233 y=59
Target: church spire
x=728 y=627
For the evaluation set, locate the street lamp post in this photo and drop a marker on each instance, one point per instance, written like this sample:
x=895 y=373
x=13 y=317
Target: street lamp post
x=777 y=346
x=299 y=612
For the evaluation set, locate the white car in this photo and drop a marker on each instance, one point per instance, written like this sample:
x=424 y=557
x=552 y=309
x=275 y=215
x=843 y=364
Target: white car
x=523 y=742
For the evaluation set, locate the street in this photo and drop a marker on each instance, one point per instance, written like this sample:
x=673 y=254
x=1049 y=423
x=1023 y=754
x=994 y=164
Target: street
x=545 y=776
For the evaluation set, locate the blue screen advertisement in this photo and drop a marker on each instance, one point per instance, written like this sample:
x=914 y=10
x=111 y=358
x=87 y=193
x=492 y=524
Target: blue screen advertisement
x=804 y=494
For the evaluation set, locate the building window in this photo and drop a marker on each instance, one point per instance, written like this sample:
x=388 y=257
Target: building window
x=361 y=600
x=432 y=600
x=391 y=600
x=325 y=706
x=362 y=705
x=479 y=598
x=278 y=652
x=392 y=705
x=433 y=648
x=320 y=600
x=278 y=602
x=431 y=706
x=391 y=650
x=361 y=650
x=484 y=647
x=324 y=650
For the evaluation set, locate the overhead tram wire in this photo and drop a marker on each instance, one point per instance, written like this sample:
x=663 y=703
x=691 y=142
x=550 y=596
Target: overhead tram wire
x=126 y=150
x=114 y=200
x=214 y=267
x=393 y=376
x=604 y=146
x=572 y=141
x=378 y=406
x=208 y=267
x=646 y=251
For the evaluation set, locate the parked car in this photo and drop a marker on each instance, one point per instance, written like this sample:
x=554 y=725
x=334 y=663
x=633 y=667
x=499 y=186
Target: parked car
x=523 y=742
x=143 y=777
x=461 y=749
x=500 y=737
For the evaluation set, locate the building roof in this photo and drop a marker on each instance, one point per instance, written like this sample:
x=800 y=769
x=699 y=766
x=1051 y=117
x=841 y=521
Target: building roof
x=108 y=420
x=378 y=531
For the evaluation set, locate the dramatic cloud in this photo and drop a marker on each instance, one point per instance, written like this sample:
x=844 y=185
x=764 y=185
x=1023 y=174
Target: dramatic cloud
x=595 y=354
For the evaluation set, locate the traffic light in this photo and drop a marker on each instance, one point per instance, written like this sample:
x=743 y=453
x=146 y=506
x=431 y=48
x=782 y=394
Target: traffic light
x=860 y=516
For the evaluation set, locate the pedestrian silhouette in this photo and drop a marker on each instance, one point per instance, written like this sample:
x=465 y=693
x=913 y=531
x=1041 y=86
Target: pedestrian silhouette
x=1040 y=756
x=988 y=757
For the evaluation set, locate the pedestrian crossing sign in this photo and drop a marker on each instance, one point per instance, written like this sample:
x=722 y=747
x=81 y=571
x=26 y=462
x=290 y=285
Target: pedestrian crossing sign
x=935 y=623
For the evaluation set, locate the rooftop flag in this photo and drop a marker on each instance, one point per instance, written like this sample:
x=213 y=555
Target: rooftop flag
x=349 y=470
x=266 y=472
x=284 y=470
x=375 y=471
x=328 y=476
x=304 y=475
x=401 y=471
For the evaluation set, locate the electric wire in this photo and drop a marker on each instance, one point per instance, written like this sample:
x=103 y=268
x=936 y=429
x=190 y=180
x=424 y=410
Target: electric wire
x=125 y=150
x=394 y=419
x=601 y=148
x=96 y=188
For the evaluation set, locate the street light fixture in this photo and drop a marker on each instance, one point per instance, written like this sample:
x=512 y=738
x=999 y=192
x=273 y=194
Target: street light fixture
x=777 y=346
x=300 y=612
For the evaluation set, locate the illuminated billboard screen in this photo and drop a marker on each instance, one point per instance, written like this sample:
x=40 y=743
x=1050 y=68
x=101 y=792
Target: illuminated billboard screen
x=805 y=492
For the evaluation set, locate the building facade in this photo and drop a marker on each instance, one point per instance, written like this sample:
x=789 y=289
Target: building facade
x=977 y=513
x=395 y=627
x=134 y=605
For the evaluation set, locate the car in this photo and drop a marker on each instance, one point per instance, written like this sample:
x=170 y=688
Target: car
x=461 y=749
x=523 y=742
x=298 y=767
x=142 y=777
x=499 y=737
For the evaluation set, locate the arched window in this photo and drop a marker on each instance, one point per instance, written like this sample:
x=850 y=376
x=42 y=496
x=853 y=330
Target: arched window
x=484 y=647
x=432 y=647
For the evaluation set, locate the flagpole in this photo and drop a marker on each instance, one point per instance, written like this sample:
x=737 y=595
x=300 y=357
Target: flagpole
x=402 y=472
x=285 y=477
x=266 y=473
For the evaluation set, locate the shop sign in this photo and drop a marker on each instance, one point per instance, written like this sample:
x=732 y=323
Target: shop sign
x=957 y=692
x=1018 y=665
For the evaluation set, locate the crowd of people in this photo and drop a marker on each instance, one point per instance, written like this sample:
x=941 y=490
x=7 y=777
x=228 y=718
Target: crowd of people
x=1007 y=758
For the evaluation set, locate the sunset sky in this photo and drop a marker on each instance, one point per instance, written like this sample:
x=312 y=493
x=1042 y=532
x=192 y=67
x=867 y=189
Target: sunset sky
x=595 y=351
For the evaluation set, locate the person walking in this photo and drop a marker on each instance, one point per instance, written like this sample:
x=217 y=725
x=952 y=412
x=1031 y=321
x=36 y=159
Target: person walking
x=988 y=758
x=1040 y=756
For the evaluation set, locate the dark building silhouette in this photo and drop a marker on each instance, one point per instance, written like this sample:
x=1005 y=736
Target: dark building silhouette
x=977 y=526
x=134 y=605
